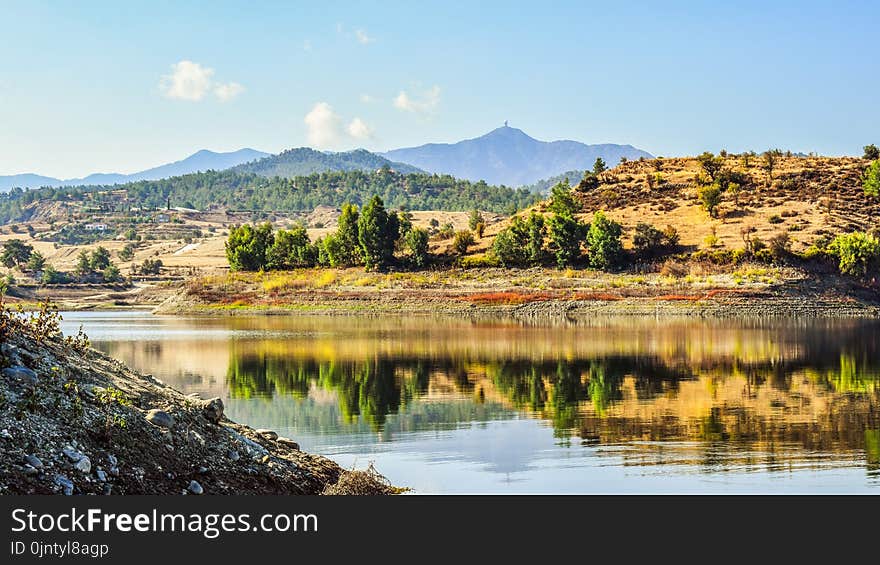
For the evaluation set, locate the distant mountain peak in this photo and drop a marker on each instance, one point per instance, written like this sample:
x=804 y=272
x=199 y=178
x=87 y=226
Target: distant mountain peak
x=509 y=156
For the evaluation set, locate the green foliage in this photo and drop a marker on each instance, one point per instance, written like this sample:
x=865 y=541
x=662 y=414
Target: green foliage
x=416 y=240
x=479 y=261
x=239 y=190
x=148 y=267
x=603 y=241
x=511 y=244
x=537 y=231
x=711 y=164
x=462 y=240
x=710 y=198
x=567 y=234
x=872 y=153
x=562 y=200
x=599 y=166
x=346 y=249
x=291 y=249
x=475 y=218
x=83 y=264
x=53 y=276
x=99 y=259
x=377 y=233
x=649 y=241
x=858 y=253
x=111 y=274
x=127 y=252
x=871 y=179
x=246 y=246
x=15 y=253
x=36 y=262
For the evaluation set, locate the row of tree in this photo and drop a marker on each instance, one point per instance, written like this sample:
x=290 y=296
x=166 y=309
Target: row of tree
x=367 y=237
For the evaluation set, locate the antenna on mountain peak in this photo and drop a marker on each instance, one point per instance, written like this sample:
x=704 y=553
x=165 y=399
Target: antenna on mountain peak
x=505 y=123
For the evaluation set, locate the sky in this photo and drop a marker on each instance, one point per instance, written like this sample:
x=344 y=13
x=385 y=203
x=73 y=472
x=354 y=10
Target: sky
x=92 y=86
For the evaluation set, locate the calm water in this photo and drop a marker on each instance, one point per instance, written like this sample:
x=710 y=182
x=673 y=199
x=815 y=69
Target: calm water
x=612 y=406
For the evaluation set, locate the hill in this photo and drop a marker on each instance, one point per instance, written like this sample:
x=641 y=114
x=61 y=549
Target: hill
x=203 y=160
x=510 y=157
x=304 y=161
x=543 y=186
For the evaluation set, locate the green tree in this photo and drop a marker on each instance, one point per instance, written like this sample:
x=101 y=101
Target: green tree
x=603 y=241
x=872 y=153
x=52 y=276
x=83 y=264
x=857 y=253
x=710 y=198
x=462 y=240
x=562 y=200
x=111 y=274
x=347 y=246
x=599 y=166
x=567 y=235
x=511 y=244
x=769 y=164
x=537 y=231
x=247 y=245
x=36 y=262
x=475 y=219
x=710 y=164
x=291 y=249
x=871 y=179
x=100 y=259
x=377 y=232
x=15 y=253
x=126 y=253
x=416 y=241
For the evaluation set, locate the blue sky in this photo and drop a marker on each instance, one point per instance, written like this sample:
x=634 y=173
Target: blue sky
x=121 y=86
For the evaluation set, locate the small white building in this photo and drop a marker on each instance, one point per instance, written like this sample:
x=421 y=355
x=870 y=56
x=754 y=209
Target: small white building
x=96 y=227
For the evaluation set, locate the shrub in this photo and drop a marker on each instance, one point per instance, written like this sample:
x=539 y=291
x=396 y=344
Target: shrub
x=562 y=199
x=479 y=261
x=291 y=249
x=36 y=262
x=857 y=253
x=462 y=240
x=247 y=245
x=511 y=244
x=474 y=219
x=775 y=219
x=537 y=231
x=648 y=240
x=51 y=276
x=111 y=274
x=871 y=152
x=567 y=235
x=710 y=198
x=871 y=179
x=148 y=267
x=603 y=240
x=673 y=269
x=126 y=253
x=15 y=253
x=780 y=245
x=416 y=241
x=710 y=164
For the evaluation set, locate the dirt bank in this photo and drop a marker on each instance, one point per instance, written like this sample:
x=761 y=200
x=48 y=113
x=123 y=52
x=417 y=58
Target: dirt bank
x=75 y=421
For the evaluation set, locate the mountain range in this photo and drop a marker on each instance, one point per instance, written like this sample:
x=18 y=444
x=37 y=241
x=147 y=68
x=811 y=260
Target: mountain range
x=505 y=156
x=203 y=160
x=511 y=157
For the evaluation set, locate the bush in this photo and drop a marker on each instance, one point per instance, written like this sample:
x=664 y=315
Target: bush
x=710 y=198
x=871 y=152
x=416 y=241
x=857 y=252
x=148 y=267
x=871 y=179
x=780 y=245
x=51 y=276
x=479 y=261
x=247 y=245
x=291 y=249
x=567 y=235
x=603 y=241
x=474 y=219
x=111 y=274
x=511 y=244
x=649 y=241
x=15 y=253
x=775 y=219
x=462 y=240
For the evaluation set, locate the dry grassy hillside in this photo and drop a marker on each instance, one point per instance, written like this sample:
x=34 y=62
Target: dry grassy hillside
x=808 y=196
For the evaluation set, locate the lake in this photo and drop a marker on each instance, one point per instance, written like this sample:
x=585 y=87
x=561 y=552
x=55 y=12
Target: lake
x=491 y=406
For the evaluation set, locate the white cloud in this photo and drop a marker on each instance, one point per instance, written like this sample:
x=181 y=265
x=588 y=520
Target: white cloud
x=192 y=82
x=362 y=37
x=425 y=103
x=187 y=81
x=358 y=129
x=324 y=126
x=325 y=129
x=228 y=91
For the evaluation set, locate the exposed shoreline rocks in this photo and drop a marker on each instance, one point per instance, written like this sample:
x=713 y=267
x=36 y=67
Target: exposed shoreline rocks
x=75 y=421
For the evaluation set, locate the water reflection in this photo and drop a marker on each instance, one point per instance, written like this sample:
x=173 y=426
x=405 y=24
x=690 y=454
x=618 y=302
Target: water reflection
x=661 y=397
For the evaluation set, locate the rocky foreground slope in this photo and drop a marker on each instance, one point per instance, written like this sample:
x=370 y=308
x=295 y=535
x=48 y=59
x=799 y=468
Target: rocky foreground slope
x=75 y=421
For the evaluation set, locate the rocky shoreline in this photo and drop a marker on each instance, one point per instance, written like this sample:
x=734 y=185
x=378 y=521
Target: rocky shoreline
x=75 y=421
